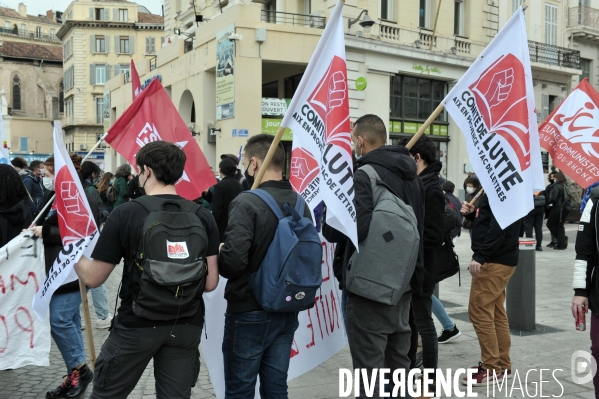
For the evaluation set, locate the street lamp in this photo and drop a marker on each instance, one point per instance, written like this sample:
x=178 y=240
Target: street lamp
x=366 y=23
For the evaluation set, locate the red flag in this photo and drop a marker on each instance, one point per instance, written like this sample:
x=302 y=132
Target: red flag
x=135 y=82
x=571 y=135
x=151 y=117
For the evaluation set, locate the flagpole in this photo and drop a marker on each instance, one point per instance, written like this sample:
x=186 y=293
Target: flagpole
x=425 y=126
x=88 y=324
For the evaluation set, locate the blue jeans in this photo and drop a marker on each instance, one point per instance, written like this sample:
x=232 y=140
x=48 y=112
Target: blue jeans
x=441 y=315
x=257 y=343
x=65 y=327
x=100 y=302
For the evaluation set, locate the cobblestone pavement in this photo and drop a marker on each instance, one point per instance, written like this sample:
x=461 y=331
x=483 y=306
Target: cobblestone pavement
x=550 y=347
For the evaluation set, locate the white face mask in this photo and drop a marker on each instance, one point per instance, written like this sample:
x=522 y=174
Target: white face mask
x=469 y=190
x=48 y=183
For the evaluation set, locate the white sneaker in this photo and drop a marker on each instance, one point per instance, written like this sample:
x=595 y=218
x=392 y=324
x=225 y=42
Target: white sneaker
x=104 y=324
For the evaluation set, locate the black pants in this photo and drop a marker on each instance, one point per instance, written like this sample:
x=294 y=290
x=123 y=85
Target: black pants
x=555 y=224
x=378 y=335
x=534 y=220
x=127 y=352
x=421 y=322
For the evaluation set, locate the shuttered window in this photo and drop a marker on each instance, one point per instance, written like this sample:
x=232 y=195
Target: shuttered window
x=551 y=24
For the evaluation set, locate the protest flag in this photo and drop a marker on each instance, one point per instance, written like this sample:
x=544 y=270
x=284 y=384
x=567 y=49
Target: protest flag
x=4 y=155
x=135 y=82
x=568 y=135
x=493 y=104
x=151 y=117
x=318 y=115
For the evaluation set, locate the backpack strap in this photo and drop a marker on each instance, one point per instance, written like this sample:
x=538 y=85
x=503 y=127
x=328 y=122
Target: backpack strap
x=155 y=204
x=269 y=200
x=375 y=181
x=300 y=206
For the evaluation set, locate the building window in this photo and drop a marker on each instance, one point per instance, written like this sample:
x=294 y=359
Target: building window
x=415 y=99
x=585 y=65
x=23 y=29
x=387 y=9
x=516 y=4
x=99 y=14
x=150 y=45
x=551 y=24
x=99 y=109
x=52 y=34
x=424 y=14
x=100 y=44
x=61 y=97
x=123 y=15
x=124 y=68
x=23 y=144
x=16 y=92
x=38 y=32
x=124 y=44
x=100 y=74
x=6 y=26
x=458 y=18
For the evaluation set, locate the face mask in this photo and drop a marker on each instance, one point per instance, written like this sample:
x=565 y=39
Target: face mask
x=551 y=181
x=48 y=183
x=469 y=190
x=358 y=157
x=250 y=179
x=111 y=181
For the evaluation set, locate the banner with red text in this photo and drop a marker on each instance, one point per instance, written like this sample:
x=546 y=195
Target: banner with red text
x=151 y=117
x=568 y=135
x=24 y=339
x=320 y=335
x=318 y=115
x=493 y=104
x=78 y=230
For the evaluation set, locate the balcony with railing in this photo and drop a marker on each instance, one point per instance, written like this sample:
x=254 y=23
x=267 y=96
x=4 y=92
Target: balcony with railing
x=286 y=18
x=554 y=55
x=583 y=22
x=29 y=34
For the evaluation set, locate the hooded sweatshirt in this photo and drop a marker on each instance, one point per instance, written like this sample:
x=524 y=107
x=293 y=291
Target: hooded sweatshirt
x=395 y=167
x=13 y=220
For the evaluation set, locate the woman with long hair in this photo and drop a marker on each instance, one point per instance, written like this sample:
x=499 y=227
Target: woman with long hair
x=555 y=222
x=15 y=213
x=103 y=186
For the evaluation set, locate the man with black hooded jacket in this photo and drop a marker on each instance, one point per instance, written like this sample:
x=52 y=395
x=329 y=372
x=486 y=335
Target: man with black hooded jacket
x=421 y=320
x=377 y=337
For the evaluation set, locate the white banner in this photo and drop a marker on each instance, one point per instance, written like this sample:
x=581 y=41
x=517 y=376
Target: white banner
x=24 y=340
x=321 y=332
x=321 y=163
x=493 y=104
x=78 y=229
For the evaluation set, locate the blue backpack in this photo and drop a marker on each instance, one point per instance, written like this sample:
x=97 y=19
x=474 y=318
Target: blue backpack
x=291 y=272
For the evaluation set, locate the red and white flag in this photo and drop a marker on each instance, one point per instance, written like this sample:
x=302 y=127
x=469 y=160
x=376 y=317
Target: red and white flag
x=493 y=104
x=78 y=229
x=571 y=135
x=135 y=82
x=151 y=117
x=318 y=115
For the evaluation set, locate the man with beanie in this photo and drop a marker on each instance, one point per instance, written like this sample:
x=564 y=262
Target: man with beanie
x=241 y=177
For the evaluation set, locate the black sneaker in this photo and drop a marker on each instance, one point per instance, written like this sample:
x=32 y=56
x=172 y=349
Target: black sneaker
x=61 y=390
x=80 y=379
x=539 y=248
x=448 y=336
x=566 y=242
x=551 y=244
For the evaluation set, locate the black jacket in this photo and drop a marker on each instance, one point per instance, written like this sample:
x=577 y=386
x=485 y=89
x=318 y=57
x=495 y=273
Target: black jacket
x=395 y=167
x=242 y=180
x=34 y=187
x=456 y=205
x=490 y=243
x=133 y=188
x=434 y=226
x=224 y=192
x=252 y=226
x=585 y=282
x=13 y=219
x=556 y=199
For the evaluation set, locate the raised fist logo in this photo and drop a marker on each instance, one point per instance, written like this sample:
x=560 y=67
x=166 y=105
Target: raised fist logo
x=71 y=198
x=74 y=218
x=299 y=168
x=500 y=88
x=337 y=89
x=304 y=169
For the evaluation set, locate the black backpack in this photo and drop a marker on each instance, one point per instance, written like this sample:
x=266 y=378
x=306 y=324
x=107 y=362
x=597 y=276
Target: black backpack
x=168 y=274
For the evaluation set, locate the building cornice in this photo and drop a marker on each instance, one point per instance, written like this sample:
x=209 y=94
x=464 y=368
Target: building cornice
x=64 y=30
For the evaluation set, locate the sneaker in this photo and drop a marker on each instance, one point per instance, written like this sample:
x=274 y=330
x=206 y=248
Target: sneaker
x=566 y=242
x=104 y=324
x=559 y=249
x=551 y=244
x=432 y=393
x=448 y=336
x=481 y=376
x=507 y=373
x=80 y=379
x=539 y=248
x=61 y=390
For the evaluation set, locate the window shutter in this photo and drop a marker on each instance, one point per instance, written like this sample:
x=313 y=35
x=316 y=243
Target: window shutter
x=153 y=43
x=107 y=14
x=92 y=74
x=91 y=14
x=107 y=44
x=115 y=14
x=117 y=44
x=107 y=72
x=117 y=69
x=92 y=43
x=544 y=106
x=131 y=44
x=147 y=45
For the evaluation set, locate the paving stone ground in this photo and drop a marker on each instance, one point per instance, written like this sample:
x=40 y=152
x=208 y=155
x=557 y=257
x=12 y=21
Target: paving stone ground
x=551 y=347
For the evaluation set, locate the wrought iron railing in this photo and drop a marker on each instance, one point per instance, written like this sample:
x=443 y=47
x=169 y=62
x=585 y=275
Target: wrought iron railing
x=286 y=18
x=29 y=34
x=583 y=15
x=554 y=55
x=153 y=63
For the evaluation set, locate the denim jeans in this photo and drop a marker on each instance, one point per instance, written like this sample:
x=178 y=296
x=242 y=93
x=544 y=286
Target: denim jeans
x=257 y=343
x=441 y=315
x=100 y=302
x=421 y=322
x=65 y=327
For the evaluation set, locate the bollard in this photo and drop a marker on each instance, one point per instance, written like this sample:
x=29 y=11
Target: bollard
x=520 y=291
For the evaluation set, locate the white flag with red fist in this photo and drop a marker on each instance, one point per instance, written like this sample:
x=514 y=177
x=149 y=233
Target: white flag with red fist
x=568 y=135
x=318 y=115
x=493 y=105
x=78 y=229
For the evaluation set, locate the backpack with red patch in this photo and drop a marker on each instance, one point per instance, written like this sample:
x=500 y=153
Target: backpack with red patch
x=168 y=274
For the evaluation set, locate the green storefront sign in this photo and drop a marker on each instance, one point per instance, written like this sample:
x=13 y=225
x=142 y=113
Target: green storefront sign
x=361 y=83
x=412 y=128
x=271 y=126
